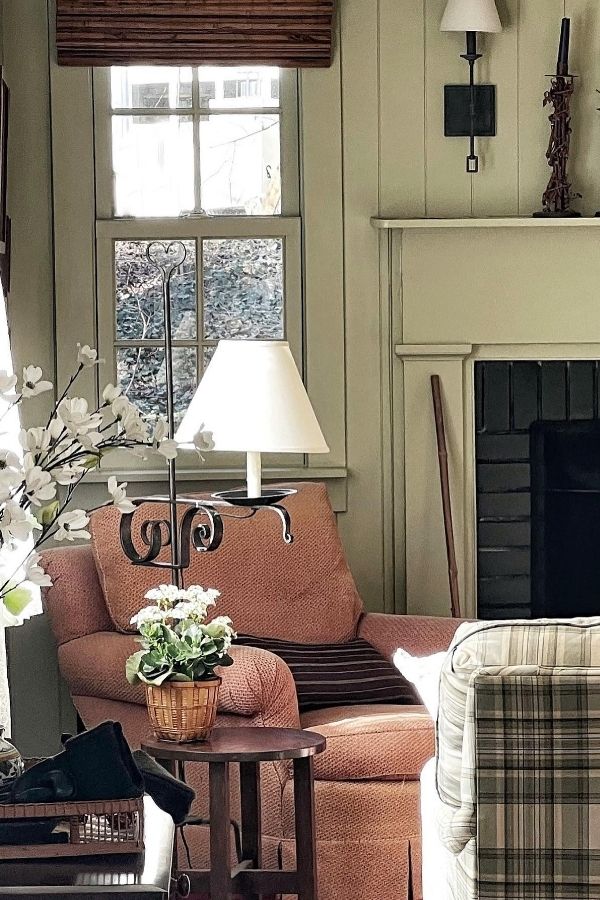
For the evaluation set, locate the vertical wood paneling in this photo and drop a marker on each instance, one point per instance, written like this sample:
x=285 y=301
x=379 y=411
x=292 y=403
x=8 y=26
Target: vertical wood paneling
x=496 y=186
x=539 y=30
x=360 y=122
x=585 y=62
x=323 y=272
x=448 y=185
x=402 y=108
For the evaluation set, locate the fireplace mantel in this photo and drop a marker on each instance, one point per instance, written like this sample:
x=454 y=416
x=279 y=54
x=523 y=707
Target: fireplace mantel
x=490 y=222
x=459 y=291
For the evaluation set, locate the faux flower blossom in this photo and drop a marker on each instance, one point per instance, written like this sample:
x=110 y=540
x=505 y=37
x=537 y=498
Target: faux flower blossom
x=110 y=393
x=72 y=525
x=35 y=573
x=87 y=357
x=76 y=416
x=147 y=614
x=161 y=442
x=118 y=493
x=39 y=486
x=7 y=386
x=33 y=383
x=203 y=440
x=16 y=523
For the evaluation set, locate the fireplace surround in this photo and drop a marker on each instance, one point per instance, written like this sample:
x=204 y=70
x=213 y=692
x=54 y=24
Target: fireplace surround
x=455 y=293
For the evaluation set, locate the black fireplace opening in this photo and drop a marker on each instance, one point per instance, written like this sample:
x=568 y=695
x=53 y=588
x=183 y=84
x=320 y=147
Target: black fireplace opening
x=538 y=488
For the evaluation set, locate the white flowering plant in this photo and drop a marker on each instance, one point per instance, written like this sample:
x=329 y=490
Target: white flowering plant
x=37 y=485
x=178 y=644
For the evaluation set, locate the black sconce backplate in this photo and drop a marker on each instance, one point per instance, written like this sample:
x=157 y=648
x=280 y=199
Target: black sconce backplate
x=457 y=110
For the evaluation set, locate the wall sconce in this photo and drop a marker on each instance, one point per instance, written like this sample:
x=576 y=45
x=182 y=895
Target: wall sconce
x=470 y=109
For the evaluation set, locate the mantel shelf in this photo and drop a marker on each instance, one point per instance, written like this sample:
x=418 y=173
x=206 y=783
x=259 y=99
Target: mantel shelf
x=499 y=222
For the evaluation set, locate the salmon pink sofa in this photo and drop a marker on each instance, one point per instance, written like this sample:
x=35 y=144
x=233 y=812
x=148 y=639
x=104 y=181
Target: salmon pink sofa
x=367 y=781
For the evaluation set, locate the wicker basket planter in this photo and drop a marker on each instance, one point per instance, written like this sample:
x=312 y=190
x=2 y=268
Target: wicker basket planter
x=183 y=711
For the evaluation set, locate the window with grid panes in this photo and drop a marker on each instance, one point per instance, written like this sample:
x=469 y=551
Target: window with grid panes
x=208 y=156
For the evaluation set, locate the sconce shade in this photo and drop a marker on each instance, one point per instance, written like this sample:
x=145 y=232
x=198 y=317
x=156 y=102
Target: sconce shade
x=251 y=398
x=471 y=15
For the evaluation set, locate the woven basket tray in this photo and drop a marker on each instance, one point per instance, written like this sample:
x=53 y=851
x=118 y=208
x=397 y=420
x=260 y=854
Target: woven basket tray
x=93 y=827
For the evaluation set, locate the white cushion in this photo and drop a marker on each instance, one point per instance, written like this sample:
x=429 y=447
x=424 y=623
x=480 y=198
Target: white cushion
x=424 y=672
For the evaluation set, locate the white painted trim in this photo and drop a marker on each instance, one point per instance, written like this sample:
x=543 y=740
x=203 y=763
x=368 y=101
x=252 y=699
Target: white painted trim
x=432 y=351
x=490 y=222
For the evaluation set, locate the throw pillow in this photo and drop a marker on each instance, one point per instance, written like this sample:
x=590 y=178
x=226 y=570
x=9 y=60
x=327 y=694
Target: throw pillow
x=347 y=674
x=298 y=592
x=424 y=672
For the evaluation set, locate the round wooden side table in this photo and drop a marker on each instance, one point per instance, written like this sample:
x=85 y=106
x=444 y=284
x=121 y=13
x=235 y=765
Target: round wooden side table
x=249 y=747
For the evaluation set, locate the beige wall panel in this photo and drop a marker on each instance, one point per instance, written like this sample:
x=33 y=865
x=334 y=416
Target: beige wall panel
x=447 y=183
x=73 y=164
x=539 y=30
x=455 y=285
x=30 y=309
x=427 y=590
x=323 y=228
x=585 y=61
x=496 y=186
x=402 y=107
x=361 y=527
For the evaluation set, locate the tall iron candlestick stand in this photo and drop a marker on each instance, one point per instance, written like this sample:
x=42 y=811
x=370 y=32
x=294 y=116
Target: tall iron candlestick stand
x=558 y=195
x=180 y=535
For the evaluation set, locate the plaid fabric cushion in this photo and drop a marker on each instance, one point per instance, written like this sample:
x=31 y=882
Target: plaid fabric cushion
x=546 y=643
x=537 y=759
x=338 y=674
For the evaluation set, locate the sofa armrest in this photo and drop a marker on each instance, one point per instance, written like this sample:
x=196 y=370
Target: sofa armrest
x=259 y=685
x=419 y=635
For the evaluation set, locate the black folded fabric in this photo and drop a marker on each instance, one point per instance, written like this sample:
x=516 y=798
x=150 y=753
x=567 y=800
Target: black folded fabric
x=31 y=831
x=169 y=793
x=95 y=765
x=102 y=764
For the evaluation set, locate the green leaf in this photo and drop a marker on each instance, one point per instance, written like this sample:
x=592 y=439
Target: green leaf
x=132 y=666
x=47 y=514
x=18 y=599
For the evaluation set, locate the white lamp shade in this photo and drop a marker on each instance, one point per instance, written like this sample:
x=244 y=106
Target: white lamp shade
x=471 y=15
x=251 y=399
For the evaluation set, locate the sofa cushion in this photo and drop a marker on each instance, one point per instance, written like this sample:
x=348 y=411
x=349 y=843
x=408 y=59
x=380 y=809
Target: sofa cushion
x=338 y=674
x=378 y=742
x=298 y=592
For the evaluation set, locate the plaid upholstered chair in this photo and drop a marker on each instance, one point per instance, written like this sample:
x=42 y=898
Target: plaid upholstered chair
x=511 y=805
x=367 y=782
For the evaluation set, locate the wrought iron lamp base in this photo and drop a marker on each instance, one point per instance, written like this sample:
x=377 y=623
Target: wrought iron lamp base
x=239 y=497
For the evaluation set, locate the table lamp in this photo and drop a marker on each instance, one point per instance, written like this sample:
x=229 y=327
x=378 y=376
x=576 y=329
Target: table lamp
x=251 y=399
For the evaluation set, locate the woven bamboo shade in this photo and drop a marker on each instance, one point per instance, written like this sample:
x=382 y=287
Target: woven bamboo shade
x=296 y=33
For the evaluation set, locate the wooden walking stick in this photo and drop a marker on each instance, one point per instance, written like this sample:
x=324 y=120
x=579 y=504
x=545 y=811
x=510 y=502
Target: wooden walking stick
x=440 y=432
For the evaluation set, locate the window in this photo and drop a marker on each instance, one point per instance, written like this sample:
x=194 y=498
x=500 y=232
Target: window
x=207 y=156
x=203 y=141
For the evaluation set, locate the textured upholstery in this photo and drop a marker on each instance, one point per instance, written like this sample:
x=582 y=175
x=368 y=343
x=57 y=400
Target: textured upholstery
x=368 y=839
x=377 y=742
x=75 y=603
x=257 y=680
x=368 y=843
x=305 y=593
x=419 y=635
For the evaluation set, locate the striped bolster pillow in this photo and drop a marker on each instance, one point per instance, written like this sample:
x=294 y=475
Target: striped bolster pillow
x=338 y=674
